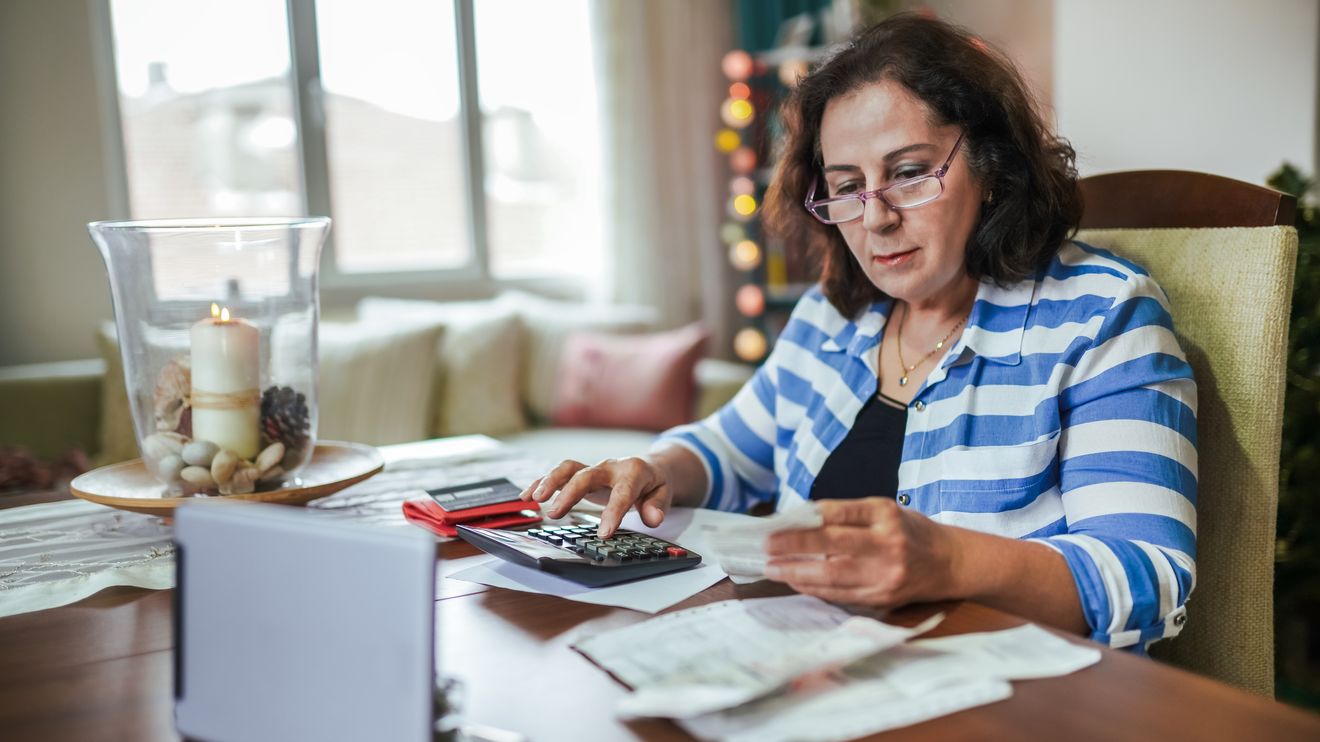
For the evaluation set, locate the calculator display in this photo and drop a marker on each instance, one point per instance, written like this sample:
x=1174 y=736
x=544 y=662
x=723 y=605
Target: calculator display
x=475 y=494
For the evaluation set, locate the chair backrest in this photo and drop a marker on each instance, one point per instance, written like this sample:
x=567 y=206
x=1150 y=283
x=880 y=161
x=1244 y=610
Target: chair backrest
x=1225 y=252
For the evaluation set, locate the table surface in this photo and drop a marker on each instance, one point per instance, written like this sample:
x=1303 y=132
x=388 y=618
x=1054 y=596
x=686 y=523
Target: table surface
x=102 y=669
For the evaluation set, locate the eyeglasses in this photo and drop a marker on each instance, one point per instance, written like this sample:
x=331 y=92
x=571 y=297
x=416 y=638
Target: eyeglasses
x=905 y=194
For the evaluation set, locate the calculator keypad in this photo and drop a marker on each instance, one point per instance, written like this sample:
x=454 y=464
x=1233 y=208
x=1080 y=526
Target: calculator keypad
x=625 y=546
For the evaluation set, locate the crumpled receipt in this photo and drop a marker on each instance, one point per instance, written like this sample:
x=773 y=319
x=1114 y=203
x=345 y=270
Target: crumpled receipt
x=740 y=548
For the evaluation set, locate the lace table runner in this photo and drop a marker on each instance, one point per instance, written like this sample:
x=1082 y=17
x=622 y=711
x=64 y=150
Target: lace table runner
x=58 y=553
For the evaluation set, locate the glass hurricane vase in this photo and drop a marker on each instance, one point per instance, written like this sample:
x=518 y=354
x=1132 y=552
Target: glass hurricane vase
x=217 y=323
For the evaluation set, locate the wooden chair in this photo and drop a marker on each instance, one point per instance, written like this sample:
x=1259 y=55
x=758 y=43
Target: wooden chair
x=1225 y=252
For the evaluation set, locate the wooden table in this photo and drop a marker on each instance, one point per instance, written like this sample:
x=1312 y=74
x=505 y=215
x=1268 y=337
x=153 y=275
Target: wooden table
x=101 y=670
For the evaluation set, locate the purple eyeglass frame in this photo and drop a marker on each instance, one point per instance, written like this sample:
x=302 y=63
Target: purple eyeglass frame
x=879 y=193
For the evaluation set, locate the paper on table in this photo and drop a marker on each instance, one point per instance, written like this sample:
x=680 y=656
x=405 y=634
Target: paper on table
x=681 y=526
x=842 y=710
x=739 y=547
x=1020 y=653
x=721 y=655
x=917 y=681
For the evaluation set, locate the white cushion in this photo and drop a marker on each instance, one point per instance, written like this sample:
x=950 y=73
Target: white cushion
x=479 y=360
x=376 y=381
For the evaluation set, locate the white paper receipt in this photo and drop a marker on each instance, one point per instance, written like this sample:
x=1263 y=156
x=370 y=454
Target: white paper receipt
x=740 y=548
x=684 y=664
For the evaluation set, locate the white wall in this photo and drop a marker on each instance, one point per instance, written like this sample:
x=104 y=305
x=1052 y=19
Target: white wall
x=1220 y=86
x=1021 y=29
x=53 y=286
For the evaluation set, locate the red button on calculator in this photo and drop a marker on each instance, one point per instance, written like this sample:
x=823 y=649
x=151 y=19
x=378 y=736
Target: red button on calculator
x=674 y=551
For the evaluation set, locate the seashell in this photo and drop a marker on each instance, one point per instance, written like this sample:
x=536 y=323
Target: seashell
x=243 y=482
x=170 y=397
x=185 y=423
x=200 y=453
x=159 y=445
x=198 y=475
x=223 y=466
x=169 y=467
x=272 y=455
x=271 y=474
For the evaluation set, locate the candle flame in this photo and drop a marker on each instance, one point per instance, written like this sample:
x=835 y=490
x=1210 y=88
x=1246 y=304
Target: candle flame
x=215 y=310
x=220 y=313
x=224 y=314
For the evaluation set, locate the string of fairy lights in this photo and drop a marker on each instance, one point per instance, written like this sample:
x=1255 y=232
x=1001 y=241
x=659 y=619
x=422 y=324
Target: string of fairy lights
x=742 y=232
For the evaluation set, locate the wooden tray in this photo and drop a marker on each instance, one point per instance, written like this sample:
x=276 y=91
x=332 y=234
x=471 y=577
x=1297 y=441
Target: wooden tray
x=129 y=486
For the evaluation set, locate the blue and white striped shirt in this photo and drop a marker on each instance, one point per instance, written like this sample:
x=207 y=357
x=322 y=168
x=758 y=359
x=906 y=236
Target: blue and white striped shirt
x=1066 y=414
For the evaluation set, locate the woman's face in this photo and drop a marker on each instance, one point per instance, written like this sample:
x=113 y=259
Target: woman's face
x=882 y=134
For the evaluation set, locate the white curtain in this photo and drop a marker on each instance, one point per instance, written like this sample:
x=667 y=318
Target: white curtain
x=665 y=184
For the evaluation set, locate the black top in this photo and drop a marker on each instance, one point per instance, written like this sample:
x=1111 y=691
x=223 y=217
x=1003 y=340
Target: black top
x=865 y=464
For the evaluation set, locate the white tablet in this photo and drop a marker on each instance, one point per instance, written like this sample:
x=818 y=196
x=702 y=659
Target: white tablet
x=295 y=624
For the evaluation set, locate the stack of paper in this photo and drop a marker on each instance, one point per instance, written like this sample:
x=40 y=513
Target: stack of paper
x=797 y=668
x=724 y=654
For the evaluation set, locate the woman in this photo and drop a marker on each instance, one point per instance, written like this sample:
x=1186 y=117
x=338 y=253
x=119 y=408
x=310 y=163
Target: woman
x=984 y=409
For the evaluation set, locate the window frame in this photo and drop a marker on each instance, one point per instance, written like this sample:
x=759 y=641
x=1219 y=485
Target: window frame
x=472 y=280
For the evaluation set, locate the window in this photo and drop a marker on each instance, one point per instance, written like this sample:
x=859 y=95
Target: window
x=372 y=113
x=206 y=107
x=541 y=139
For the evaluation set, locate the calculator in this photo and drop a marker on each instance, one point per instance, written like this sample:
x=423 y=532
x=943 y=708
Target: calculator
x=574 y=552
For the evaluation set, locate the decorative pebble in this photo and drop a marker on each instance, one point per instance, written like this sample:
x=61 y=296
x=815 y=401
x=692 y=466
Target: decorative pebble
x=223 y=466
x=200 y=453
x=169 y=467
x=273 y=454
x=198 y=475
x=271 y=474
x=159 y=445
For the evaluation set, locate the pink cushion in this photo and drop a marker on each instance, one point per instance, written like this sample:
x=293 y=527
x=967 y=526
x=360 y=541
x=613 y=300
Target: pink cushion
x=643 y=382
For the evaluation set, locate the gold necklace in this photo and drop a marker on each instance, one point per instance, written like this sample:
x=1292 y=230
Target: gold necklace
x=903 y=380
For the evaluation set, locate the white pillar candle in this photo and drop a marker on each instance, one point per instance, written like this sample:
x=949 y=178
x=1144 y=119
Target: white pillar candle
x=226 y=400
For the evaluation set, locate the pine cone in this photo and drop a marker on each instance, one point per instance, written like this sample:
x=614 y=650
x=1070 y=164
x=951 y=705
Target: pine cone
x=285 y=418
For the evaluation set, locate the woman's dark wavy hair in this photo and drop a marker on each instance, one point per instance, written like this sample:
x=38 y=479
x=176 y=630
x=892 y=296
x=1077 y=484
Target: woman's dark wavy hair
x=1036 y=200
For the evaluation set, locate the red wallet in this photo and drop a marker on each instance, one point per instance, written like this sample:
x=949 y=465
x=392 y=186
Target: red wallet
x=432 y=517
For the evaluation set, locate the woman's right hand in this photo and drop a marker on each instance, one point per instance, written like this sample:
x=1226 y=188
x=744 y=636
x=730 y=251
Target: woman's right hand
x=632 y=482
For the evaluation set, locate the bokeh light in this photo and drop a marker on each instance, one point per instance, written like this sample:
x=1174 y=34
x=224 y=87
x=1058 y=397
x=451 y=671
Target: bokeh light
x=745 y=255
x=732 y=233
x=737 y=113
x=737 y=65
x=743 y=160
x=749 y=344
x=740 y=90
x=727 y=141
x=744 y=205
x=750 y=300
x=742 y=186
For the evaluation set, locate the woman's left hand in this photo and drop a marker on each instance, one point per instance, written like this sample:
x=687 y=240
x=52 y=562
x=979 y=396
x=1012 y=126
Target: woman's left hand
x=868 y=552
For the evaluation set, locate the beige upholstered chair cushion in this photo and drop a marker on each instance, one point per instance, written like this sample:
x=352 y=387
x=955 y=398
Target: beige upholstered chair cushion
x=1230 y=291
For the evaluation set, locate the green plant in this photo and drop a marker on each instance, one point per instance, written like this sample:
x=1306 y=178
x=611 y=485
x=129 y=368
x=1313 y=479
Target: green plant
x=1297 y=569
